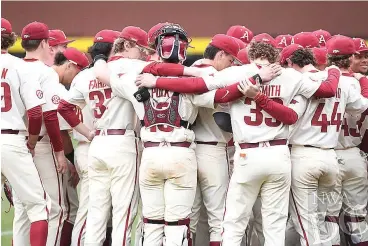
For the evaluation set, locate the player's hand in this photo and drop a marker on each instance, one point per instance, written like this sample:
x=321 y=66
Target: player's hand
x=62 y=165
x=268 y=73
x=91 y=135
x=146 y=80
x=248 y=90
x=358 y=76
x=74 y=177
x=31 y=148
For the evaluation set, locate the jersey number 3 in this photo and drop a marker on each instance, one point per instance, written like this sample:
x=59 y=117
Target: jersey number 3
x=99 y=97
x=6 y=97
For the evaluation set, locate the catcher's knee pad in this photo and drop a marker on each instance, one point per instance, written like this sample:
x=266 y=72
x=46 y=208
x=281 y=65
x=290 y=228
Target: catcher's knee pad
x=178 y=232
x=150 y=226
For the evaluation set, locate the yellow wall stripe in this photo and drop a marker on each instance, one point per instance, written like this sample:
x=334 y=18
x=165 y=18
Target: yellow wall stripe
x=82 y=44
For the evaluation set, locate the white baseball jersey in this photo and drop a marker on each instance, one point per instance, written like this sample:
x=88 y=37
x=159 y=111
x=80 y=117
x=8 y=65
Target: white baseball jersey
x=20 y=91
x=161 y=99
x=249 y=122
x=63 y=93
x=205 y=128
x=321 y=123
x=49 y=81
x=350 y=134
x=109 y=111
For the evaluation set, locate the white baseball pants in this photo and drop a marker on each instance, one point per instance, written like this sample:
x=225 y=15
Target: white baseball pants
x=265 y=171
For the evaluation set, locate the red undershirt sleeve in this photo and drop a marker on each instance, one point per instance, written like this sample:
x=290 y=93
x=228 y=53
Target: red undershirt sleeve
x=164 y=69
x=278 y=111
x=228 y=94
x=188 y=85
x=34 y=120
x=364 y=86
x=53 y=129
x=67 y=111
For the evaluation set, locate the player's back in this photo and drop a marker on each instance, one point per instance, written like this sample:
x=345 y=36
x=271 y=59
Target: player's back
x=14 y=76
x=350 y=134
x=250 y=123
x=320 y=124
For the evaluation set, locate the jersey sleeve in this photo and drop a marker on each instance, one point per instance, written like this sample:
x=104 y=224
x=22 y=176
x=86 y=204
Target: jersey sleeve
x=50 y=90
x=308 y=87
x=205 y=100
x=75 y=94
x=123 y=85
x=356 y=103
x=30 y=90
x=299 y=105
x=62 y=122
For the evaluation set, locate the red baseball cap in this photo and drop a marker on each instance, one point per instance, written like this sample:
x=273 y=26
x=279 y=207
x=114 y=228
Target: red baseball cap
x=58 y=37
x=340 y=45
x=241 y=44
x=289 y=51
x=306 y=39
x=106 y=36
x=243 y=56
x=360 y=45
x=266 y=38
x=6 y=27
x=323 y=36
x=226 y=43
x=152 y=33
x=76 y=57
x=240 y=32
x=320 y=54
x=135 y=34
x=35 y=31
x=284 y=40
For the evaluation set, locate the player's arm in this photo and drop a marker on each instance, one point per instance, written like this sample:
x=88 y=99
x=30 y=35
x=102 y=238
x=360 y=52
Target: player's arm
x=206 y=83
x=325 y=89
x=363 y=81
x=67 y=108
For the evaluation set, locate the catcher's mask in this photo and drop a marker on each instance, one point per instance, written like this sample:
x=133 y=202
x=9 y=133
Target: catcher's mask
x=172 y=43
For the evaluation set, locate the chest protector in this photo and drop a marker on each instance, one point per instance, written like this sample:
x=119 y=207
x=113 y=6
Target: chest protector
x=169 y=116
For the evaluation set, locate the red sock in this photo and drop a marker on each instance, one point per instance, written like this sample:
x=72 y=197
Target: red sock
x=66 y=234
x=39 y=230
x=108 y=237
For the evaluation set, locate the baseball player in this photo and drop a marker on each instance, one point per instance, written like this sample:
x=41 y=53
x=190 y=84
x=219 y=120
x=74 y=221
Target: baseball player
x=212 y=159
x=115 y=131
x=352 y=183
x=58 y=43
x=68 y=64
x=49 y=154
x=240 y=194
x=22 y=97
x=323 y=36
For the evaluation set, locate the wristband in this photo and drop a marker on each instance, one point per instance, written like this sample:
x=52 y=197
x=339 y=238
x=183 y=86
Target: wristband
x=257 y=78
x=70 y=157
x=257 y=96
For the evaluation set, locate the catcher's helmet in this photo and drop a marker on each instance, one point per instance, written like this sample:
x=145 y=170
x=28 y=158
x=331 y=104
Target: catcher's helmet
x=172 y=42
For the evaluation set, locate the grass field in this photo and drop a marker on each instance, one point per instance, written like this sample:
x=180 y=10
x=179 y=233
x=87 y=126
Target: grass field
x=6 y=222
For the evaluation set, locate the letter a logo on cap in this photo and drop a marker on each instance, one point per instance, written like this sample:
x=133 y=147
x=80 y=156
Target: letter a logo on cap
x=322 y=39
x=283 y=41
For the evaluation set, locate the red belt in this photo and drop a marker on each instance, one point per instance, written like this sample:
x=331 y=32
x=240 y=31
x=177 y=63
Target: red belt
x=9 y=131
x=256 y=145
x=39 y=138
x=112 y=131
x=176 y=144
x=208 y=143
